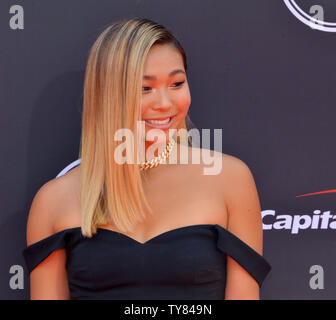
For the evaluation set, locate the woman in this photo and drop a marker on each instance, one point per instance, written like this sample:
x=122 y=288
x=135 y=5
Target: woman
x=109 y=229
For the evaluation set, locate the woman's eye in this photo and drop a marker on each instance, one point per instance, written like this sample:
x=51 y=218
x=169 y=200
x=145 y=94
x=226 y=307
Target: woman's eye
x=176 y=85
x=179 y=84
x=144 y=89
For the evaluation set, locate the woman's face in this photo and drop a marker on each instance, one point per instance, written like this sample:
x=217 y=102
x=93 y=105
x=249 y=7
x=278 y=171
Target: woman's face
x=165 y=91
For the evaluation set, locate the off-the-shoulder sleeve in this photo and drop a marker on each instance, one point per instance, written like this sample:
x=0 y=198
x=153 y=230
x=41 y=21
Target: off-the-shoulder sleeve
x=38 y=251
x=255 y=264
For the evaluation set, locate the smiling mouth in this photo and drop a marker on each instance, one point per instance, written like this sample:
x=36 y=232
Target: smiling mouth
x=162 y=123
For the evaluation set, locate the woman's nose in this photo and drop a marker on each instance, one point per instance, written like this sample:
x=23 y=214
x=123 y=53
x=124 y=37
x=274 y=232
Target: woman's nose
x=163 y=100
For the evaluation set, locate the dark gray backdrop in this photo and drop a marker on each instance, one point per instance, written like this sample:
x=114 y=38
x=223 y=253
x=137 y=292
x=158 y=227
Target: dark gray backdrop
x=255 y=71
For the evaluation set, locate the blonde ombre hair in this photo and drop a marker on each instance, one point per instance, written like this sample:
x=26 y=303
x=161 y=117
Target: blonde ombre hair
x=110 y=192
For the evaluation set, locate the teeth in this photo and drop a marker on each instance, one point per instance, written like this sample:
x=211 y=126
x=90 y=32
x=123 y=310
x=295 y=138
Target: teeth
x=158 y=122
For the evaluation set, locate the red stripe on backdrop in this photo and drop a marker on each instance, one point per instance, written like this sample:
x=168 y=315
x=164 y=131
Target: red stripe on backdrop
x=314 y=193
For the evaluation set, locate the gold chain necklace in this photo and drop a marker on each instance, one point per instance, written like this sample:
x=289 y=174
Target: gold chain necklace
x=159 y=159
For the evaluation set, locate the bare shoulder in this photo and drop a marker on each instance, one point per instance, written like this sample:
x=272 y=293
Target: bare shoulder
x=49 y=205
x=229 y=175
x=224 y=166
x=242 y=201
x=234 y=168
x=235 y=178
x=48 y=280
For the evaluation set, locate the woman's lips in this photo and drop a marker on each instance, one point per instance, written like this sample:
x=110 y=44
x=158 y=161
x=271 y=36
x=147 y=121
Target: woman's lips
x=160 y=126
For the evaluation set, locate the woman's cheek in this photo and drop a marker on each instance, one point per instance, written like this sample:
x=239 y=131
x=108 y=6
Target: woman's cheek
x=184 y=103
x=144 y=108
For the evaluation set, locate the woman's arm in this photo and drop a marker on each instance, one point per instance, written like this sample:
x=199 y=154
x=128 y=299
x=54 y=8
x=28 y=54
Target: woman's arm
x=48 y=280
x=244 y=221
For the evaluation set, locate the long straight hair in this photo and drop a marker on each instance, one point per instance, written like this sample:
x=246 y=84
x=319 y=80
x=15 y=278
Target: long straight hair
x=110 y=192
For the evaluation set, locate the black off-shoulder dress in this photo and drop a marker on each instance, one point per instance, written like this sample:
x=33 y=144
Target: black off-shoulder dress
x=184 y=263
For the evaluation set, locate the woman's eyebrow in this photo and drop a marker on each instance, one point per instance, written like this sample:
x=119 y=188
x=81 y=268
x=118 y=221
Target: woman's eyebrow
x=172 y=73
